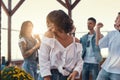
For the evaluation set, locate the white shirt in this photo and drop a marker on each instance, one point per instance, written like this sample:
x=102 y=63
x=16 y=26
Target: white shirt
x=52 y=55
x=89 y=56
x=112 y=42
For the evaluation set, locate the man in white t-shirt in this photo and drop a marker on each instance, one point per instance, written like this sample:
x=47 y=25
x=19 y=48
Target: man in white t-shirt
x=91 y=52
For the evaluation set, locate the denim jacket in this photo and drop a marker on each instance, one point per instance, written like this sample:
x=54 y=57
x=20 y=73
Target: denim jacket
x=95 y=48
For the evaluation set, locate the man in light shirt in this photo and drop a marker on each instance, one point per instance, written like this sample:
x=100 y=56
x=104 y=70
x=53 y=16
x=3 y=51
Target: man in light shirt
x=111 y=67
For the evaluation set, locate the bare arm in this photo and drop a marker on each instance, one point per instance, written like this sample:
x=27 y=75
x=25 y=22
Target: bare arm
x=27 y=53
x=98 y=33
x=47 y=78
x=37 y=37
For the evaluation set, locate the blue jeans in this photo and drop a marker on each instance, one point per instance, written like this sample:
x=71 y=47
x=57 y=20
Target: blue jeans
x=103 y=75
x=57 y=76
x=40 y=78
x=88 y=69
x=31 y=68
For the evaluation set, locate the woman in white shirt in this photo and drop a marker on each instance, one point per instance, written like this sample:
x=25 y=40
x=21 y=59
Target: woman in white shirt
x=60 y=53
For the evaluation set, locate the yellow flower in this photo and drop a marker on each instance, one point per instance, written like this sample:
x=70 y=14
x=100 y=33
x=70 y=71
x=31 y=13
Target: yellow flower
x=15 y=73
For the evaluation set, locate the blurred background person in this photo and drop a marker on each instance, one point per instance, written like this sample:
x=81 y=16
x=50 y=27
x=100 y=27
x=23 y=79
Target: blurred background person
x=29 y=45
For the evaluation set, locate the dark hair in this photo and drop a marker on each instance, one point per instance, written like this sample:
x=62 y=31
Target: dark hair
x=61 y=19
x=118 y=13
x=93 y=19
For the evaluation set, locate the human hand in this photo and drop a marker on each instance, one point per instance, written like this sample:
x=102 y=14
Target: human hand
x=72 y=75
x=51 y=27
x=38 y=41
x=99 y=25
x=63 y=71
x=47 y=78
x=37 y=45
x=37 y=37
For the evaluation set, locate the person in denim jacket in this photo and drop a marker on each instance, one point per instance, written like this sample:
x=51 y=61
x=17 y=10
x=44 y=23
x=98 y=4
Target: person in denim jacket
x=111 y=67
x=91 y=52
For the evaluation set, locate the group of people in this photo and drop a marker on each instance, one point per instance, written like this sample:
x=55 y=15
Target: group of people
x=65 y=57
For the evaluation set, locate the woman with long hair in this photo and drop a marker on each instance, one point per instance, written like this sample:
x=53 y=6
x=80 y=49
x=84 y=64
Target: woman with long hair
x=60 y=53
x=28 y=45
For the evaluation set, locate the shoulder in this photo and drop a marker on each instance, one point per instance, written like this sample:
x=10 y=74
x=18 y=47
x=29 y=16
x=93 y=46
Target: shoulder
x=48 y=37
x=22 y=40
x=112 y=33
x=48 y=40
x=84 y=36
x=49 y=34
x=77 y=40
x=79 y=46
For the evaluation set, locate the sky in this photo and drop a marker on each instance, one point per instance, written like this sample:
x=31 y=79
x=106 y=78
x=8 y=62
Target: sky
x=104 y=11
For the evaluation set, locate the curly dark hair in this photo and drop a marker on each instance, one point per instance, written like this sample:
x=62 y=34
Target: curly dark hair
x=61 y=19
